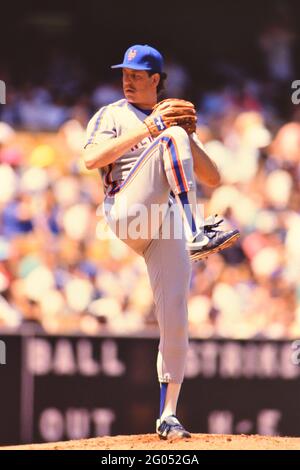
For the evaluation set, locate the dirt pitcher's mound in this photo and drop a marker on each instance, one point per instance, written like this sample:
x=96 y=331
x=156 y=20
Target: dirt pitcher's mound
x=151 y=442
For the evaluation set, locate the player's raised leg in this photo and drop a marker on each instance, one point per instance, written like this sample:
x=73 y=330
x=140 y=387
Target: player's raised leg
x=167 y=165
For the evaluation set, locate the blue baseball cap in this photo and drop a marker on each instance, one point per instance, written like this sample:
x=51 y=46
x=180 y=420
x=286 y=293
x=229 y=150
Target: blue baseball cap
x=140 y=57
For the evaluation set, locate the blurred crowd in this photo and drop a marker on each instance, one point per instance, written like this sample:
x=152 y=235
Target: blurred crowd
x=60 y=268
x=63 y=271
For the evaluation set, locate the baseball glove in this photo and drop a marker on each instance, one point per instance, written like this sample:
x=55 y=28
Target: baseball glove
x=172 y=112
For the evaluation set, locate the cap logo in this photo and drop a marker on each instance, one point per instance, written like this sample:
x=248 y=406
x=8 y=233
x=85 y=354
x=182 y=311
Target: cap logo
x=131 y=54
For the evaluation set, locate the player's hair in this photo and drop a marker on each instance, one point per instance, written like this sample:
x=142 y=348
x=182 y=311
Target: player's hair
x=161 y=84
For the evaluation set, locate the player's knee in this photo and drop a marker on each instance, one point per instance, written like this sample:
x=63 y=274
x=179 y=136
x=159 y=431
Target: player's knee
x=176 y=132
x=180 y=336
x=175 y=345
x=178 y=326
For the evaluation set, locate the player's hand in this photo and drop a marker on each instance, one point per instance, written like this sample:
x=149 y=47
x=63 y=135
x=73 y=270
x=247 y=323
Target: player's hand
x=172 y=112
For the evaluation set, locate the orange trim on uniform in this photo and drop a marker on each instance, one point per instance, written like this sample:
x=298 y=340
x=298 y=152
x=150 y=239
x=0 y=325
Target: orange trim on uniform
x=172 y=165
x=178 y=171
x=180 y=166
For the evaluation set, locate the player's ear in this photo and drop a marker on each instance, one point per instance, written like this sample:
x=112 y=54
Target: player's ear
x=155 y=79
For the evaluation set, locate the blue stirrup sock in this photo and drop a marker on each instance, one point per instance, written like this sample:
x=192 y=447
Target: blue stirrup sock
x=192 y=219
x=163 y=394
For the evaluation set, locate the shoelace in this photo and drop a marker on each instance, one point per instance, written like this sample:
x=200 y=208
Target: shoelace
x=213 y=227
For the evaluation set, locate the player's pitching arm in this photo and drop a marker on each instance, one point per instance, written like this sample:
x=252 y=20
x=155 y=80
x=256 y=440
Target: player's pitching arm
x=205 y=169
x=99 y=155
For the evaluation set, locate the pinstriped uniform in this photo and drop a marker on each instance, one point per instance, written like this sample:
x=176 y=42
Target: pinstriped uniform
x=146 y=175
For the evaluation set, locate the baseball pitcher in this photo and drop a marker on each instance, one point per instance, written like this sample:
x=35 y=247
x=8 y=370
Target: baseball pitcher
x=148 y=155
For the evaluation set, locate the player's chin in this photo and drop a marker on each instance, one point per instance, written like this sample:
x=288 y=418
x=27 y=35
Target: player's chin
x=129 y=95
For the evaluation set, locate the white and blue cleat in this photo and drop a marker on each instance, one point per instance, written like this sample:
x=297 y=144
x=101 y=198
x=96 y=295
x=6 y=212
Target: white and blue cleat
x=170 y=428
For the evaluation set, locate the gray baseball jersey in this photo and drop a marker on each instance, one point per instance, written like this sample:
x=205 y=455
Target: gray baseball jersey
x=112 y=121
